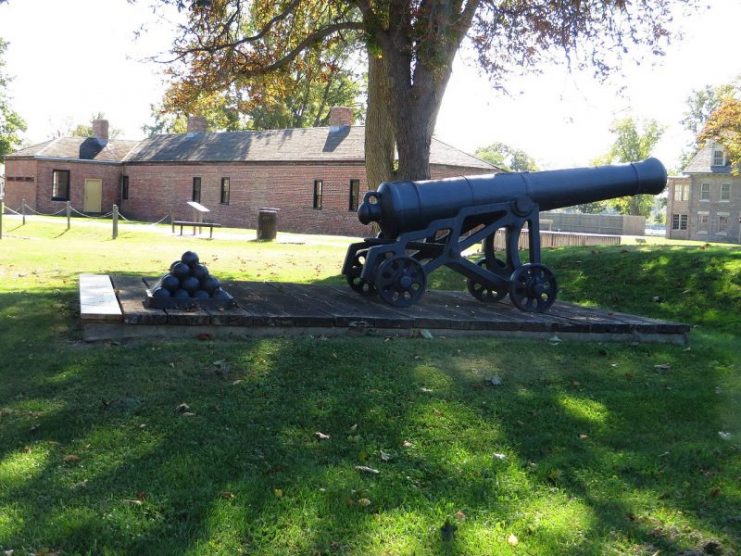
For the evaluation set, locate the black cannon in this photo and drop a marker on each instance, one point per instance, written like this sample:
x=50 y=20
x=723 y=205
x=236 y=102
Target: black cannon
x=428 y=224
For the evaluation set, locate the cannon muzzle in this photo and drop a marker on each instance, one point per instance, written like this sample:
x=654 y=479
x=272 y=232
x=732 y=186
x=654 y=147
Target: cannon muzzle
x=411 y=205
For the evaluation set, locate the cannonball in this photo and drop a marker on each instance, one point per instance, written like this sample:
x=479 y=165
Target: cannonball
x=199 y=271
x=210 y=284
x=201 y=294
x=181 y=270
x=189 y=258
x=181 y=294
x=190 y=284
x=173 y=264
x=170 y=282
x=221 y=295
x=160 y=292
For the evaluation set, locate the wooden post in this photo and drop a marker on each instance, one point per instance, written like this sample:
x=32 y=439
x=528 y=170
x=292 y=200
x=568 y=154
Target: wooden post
x=23 y=211
x=172 y=220
x=69 y=215
x=115 y=221
x=2 y=211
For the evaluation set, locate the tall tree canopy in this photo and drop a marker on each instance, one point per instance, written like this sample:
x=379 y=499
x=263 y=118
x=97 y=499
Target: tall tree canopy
x=724 y=127
x=410 y=47
x=11 y=124
x=507 y=158
x=634 y=141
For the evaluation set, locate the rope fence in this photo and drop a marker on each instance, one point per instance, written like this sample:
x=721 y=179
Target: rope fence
x=113 y=216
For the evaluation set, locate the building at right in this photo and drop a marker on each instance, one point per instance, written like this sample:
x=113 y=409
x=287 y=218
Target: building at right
x=705 y=203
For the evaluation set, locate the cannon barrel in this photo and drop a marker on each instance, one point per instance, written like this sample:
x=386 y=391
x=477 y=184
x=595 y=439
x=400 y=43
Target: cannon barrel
x=411 y=205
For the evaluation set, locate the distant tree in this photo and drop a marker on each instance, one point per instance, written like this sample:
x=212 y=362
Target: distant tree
x=633 y=142
x=724 y=127
x=507 y=158
x=700 y=105
x=11 y=124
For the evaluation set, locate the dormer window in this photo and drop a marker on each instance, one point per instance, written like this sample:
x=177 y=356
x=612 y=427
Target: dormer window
x=719 y=158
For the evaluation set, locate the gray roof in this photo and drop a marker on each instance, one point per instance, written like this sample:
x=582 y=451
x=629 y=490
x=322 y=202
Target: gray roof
x=315 y=144
x=702 y=162
x=78 y=148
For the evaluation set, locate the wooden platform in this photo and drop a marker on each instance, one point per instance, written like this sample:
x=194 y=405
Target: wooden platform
x=283 y=308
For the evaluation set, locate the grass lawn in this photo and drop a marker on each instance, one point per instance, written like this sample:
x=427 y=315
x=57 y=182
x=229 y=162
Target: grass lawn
x=583 y=448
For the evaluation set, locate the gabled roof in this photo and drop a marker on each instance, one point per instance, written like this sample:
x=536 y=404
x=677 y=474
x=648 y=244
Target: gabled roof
x=77 y=148
x=315 y=144
x=702 y=162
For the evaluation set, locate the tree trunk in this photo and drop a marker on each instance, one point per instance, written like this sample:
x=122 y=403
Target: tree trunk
x=379 y=133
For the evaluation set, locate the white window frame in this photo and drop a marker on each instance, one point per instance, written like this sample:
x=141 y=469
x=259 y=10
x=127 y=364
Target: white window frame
x=702 y=191
x=727 y=187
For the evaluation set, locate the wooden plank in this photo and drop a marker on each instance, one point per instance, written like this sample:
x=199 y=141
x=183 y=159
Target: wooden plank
x=97 y=299
x=131 y=291
x=276 y=305
x=194 y=317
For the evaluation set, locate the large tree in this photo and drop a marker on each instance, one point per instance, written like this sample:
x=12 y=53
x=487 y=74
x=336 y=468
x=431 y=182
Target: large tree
x=724 y=127
x=634 y=141
x=701 y=103
x=11 y=124
x=410 y=47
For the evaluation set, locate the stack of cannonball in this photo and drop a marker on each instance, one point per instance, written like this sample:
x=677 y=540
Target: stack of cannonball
x=188 y=279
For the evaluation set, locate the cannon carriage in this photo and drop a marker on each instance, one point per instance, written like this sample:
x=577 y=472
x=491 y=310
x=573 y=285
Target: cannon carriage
x=428 y=224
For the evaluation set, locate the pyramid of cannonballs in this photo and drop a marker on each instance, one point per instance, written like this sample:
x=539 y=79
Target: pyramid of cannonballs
x=188 y=283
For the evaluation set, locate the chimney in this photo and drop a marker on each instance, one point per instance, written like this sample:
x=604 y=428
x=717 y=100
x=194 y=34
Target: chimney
x=197 y=124
x=340 y=116
x=100 y=131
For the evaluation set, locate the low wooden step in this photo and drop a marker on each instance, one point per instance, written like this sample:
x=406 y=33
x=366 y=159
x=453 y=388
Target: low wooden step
x=98 y=300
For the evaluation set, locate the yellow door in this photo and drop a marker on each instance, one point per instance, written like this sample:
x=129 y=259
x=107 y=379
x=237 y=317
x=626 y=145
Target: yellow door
x=93 y=199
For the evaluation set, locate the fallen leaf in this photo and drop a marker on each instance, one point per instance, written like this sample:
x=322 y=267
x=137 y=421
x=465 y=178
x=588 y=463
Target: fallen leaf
x=366 y=469
x=724 y=435
x=236 y=382
x=71 y=458
x=555 y=339
x=188 y=414
x=583 y=436
x=426 y=334
x=141 y=495
x=460 y=516
x=714 y=492
x=426 y=390
x=496 y=380
x=182 y=408
x=513 y=540
x=133 y=502
x=407 y=444
x=278 y=492
x=364 y=502
x=386 y=456
x=321 y=436
x=663 y=367
x=500 y=456
x=226 y=495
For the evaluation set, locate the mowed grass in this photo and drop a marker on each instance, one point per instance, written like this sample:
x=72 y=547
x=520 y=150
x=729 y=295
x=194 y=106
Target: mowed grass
x=583 y=448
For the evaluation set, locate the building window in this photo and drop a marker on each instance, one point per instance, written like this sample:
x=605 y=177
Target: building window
x=725 y=192
x=681 y=192
x=124 y=187
x=705 y=192
x=318 y=185
x=722 y=224
x=60 y=185
x=679 y=221
x=225 y=190
x=354 y=194
x=197 y=190
x=703 y=226
x=718 y=158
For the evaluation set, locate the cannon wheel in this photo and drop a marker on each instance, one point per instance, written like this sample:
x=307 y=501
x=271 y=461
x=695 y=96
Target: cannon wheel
x=481 y=292
x=533 y=288
x=355 y=281
x=401 y=281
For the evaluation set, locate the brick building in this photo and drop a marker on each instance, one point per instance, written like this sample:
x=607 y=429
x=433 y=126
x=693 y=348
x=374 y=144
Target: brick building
x=315 y=177
x=705 y=203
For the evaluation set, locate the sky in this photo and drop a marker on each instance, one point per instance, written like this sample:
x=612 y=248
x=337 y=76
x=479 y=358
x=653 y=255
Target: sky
x=75 y=58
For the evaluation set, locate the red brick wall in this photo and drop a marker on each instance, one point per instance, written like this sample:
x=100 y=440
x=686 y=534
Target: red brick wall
x=20 y=183
x=38 y=192
x=157 y=189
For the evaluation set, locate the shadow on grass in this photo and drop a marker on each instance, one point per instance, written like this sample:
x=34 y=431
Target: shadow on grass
x=571 y=454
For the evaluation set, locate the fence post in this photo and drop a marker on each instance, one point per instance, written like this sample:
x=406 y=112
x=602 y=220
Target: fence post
x=69 y=214
x=23 y=211
x=2 y=211
x=172 y=220
x=115 y=221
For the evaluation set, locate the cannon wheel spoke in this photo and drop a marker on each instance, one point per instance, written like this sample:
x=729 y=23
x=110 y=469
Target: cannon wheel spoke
x=533 y=288
x=480 y=291
x=401 y=281
x=353 y=277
